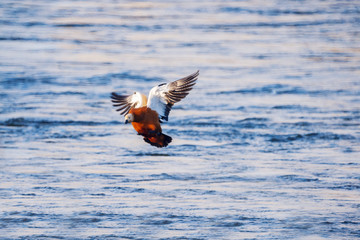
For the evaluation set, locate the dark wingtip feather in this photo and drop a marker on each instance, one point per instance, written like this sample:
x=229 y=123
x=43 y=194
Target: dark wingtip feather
x=120 y=101
x=117 y=97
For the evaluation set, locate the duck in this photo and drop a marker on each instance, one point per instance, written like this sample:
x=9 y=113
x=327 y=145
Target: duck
x=147 y=113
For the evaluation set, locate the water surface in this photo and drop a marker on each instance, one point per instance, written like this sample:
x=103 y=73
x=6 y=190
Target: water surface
x=266 y=146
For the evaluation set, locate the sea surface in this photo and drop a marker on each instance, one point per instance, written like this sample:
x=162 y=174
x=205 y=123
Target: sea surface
x=266 y=145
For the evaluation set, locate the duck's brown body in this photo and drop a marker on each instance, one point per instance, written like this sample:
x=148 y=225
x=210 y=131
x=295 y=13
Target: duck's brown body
x=146 y=114
x=146 y=123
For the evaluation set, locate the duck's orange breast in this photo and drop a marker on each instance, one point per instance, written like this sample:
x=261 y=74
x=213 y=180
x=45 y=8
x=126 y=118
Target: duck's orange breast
x=145 y=128
x=146 y=121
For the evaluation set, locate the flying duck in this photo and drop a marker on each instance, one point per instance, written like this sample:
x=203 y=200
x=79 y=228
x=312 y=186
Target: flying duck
x=146 y=114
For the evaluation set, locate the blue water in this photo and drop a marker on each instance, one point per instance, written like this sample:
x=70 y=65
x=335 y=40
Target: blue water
x=266 y=146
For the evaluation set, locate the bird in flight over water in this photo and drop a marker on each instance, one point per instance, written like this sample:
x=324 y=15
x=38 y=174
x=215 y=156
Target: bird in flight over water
x=146 y=114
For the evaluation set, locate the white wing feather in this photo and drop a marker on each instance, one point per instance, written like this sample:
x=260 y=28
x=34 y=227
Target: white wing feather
x=157 y=100
x=162 y=97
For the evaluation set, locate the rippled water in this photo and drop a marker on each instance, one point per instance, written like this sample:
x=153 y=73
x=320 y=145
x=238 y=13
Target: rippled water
x=266 y=146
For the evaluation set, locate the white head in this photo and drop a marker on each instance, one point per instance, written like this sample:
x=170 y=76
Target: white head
x=129 y=118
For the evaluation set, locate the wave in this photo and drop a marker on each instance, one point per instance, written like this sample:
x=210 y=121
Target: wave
x=26 y=122
x=271 y=12
x=272 y=24
x=279 y=89
x=288 y=11
x=309 y=137
x=126 y=76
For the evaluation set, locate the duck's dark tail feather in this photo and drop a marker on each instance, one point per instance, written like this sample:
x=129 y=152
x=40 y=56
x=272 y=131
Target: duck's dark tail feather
x=160 y=141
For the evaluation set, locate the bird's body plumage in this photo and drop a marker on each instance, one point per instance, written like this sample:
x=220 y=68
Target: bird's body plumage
x=145 y=120
x=146 y=114
x=147 y=124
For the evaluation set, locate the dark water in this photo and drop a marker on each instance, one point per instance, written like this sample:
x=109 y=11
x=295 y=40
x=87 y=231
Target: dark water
x=267 y=145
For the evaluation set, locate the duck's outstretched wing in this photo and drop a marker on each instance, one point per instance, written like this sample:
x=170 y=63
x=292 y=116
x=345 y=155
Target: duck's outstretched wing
x=164 y=96
x=127 y=102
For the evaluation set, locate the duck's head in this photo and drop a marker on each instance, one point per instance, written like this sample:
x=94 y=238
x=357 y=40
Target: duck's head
x=129 y=118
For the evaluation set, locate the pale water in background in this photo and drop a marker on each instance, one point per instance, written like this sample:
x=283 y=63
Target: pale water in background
x=266 y=146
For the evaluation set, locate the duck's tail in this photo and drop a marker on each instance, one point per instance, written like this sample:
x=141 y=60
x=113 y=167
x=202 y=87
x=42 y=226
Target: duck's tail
x=159 y=141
